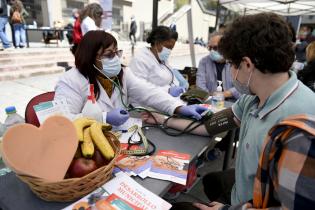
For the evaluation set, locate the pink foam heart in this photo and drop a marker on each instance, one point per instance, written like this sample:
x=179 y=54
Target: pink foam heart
x=45 y=152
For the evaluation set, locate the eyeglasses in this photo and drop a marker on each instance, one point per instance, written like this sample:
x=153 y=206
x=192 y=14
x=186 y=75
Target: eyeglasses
x=213 y=48
x=111 y=54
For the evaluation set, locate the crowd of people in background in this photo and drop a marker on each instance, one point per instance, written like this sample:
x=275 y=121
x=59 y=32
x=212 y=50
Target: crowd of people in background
x=16 y=18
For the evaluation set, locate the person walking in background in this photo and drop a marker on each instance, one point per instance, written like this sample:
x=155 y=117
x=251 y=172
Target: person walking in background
x=91 y=17
x=77 y=33
x=307 y=75
x=3 y=21
x=17 y=18
x=173 y=25
x=133 y=30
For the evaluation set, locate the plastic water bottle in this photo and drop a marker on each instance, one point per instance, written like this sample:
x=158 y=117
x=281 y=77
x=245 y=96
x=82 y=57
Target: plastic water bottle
x=12 y=117
x=3 y=128
x=217 y=100
x=91 y=109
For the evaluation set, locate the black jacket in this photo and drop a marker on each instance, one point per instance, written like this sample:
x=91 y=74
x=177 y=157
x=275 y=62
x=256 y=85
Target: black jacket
x=133 y=27
x=307 y=75
x=3 y=8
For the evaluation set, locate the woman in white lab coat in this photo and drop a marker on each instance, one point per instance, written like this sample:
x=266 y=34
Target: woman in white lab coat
x=151 y=63
x=97 y=62
x=91 y=17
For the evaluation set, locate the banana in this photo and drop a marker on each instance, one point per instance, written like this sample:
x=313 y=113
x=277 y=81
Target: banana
x=101 y=141
x=80 y=124
x=106 y=127
x=87 y=146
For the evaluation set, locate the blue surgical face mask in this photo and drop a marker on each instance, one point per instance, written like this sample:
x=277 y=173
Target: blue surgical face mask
x=241 y=88
x=111 y=66
x=215 y=56
x=164 y=54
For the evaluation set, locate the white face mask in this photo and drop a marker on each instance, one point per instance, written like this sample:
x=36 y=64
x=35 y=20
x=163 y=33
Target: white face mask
x=241 y=88
x=164 y=54
x=111 y=66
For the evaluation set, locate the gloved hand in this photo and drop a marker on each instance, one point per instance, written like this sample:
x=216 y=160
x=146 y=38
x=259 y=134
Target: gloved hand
x=193 y=111
x=117 y=117
x=176 y=90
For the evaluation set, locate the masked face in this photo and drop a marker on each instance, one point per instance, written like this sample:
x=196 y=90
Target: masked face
x=242 y=88
x=215 y=56
x=164 y=54
x=111 y=66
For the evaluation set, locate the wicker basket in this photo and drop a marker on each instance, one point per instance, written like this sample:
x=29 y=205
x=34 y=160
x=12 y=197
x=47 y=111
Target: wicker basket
x=74 y=188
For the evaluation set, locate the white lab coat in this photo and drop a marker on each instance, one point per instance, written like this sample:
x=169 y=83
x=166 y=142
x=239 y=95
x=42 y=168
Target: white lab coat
x=145 y=65
x=74 y=88
x=88 y=24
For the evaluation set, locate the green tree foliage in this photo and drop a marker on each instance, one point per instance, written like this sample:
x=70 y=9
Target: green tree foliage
x=180 y=3
x=210 y=4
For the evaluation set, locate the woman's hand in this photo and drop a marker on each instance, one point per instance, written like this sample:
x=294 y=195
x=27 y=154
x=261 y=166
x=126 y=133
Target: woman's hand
x=175 y=91
x=150 y=120
x=212 y=206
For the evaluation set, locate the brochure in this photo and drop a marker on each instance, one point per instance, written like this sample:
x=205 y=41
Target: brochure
x=121 y=193
x=134 y=165
x=170 y=165
x=166 y=165
x=50 y=108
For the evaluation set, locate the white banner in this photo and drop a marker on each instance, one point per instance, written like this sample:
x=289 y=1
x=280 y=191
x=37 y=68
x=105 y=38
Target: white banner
x=107 y=6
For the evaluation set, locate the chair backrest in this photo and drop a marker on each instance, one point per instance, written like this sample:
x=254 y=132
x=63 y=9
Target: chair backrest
x=30 y=115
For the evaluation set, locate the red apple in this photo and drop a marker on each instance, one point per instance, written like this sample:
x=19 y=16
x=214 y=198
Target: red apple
x=81 y=166
x=98 y=158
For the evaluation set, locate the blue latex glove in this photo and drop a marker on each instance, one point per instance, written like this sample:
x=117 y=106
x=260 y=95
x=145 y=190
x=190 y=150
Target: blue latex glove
x=193 y=111
x=176 y=91
x=182 y=81
x=117 y=117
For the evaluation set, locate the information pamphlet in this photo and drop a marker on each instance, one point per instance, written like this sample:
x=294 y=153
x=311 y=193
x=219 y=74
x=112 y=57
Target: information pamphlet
x=170 y=165
x=166 y=165
x=121 y=193
x=134 y=165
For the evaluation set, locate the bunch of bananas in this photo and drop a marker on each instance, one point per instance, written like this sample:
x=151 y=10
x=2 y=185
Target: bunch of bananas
x=90 y=134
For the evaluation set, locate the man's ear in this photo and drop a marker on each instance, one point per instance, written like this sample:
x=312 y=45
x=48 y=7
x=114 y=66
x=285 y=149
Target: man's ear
x=248 y=63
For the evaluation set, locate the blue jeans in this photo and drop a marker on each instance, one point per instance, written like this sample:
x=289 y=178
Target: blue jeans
x=19 y=34
x=3 y=35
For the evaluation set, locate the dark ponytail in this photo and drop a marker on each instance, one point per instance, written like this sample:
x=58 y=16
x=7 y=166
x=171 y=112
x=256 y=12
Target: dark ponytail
x=160 y=34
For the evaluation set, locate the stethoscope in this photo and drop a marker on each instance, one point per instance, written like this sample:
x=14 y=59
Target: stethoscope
x=168 y=68
x=117 y=85
x=143 y=139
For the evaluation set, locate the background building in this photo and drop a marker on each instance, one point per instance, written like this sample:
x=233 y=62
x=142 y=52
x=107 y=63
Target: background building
x=203 y=21
x=46 y=12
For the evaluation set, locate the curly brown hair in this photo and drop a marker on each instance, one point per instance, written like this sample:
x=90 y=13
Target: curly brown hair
x=265 y=38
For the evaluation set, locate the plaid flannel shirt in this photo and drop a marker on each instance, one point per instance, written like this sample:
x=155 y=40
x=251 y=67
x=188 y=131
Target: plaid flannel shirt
x=285 y=177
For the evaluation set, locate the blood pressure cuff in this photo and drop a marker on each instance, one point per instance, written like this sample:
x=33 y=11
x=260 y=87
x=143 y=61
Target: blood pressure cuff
x=220 y=121
x=195 y=96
